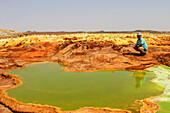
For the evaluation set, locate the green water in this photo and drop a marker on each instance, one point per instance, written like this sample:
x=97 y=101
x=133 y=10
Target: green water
x=164 y=107
x=45 y=83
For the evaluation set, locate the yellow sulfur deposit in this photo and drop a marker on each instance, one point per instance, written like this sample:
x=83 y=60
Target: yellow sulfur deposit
x=117 y=38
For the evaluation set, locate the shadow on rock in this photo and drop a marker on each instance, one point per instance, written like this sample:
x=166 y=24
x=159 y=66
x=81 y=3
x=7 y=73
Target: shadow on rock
x=134 y=54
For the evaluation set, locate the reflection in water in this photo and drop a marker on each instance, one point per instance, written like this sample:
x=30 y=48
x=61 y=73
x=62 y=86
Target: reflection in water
x=140 y=77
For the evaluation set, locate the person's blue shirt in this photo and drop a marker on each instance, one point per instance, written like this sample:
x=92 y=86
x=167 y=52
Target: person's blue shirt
x=142 y=41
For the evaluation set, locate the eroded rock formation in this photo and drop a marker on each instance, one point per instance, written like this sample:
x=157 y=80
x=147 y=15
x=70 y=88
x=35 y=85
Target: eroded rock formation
x=80 y=55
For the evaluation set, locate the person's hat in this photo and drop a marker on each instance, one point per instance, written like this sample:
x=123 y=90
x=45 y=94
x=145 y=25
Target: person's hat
x=139 y=34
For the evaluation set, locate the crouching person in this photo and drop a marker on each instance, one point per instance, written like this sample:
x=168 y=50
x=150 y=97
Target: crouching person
x=141 y=45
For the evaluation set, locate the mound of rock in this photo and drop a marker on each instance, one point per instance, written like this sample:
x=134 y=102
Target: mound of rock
x=9 y=33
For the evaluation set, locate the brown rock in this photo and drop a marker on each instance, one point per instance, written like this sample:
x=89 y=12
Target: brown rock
x=66 y=49
x=2 y=61
x=19 y=63
x=105 y=57
x=31 y=47
x=3 y=109
x=4 y=54
x=16 y=54
x=54 y=58
x=33 y=54
x=4 y=66
x=2 y=70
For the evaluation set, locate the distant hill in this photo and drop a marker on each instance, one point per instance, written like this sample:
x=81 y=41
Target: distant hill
x=73 y=32
x=9 y=33
x=6 y=33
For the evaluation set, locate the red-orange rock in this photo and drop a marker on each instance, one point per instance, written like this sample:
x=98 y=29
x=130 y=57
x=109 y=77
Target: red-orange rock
x=5 y=54
x=33 y=54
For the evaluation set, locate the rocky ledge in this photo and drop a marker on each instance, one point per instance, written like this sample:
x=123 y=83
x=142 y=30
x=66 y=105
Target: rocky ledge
x=84 y=56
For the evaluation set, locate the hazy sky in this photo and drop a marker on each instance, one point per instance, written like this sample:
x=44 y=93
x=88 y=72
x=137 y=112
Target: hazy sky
x=75 y=15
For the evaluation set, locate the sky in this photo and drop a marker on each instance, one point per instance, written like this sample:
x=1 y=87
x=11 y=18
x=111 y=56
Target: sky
x=85 y=15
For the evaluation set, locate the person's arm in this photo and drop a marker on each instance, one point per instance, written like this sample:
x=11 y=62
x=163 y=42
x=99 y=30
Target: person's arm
x=141 y=45
x=136 y=45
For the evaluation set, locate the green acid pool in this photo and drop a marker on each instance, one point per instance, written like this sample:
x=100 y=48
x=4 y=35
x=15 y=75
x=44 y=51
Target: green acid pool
x=47 y=84
x=164 y=107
